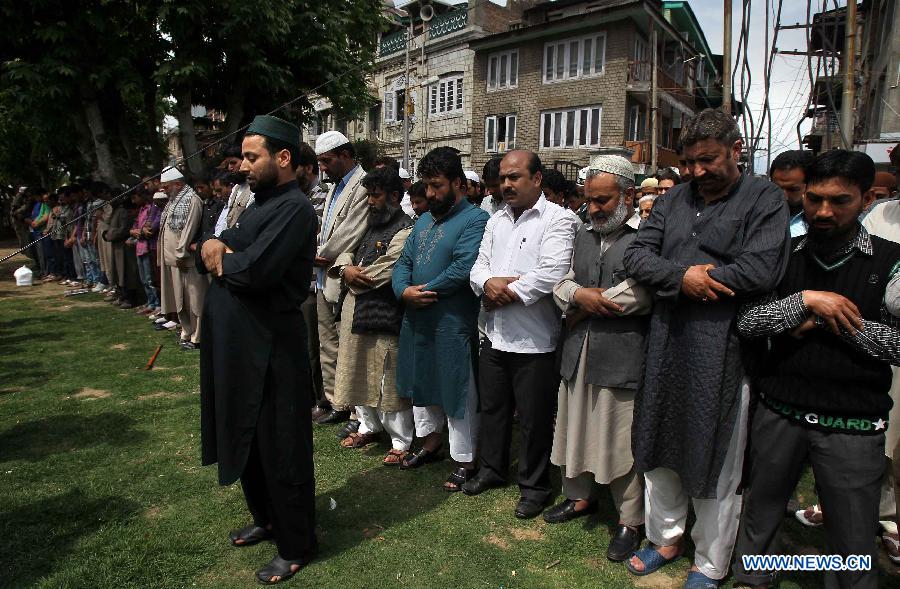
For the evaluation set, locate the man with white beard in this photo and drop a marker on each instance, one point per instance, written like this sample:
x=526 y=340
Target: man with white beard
x=601 y=360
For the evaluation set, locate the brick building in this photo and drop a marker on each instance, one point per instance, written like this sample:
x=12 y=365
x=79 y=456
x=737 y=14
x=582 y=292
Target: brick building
x=573 y=77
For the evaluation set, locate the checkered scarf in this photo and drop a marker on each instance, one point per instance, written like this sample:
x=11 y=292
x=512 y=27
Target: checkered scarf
x=181 y=204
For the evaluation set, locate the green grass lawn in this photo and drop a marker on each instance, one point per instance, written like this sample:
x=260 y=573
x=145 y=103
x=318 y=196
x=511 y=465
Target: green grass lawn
x=101 y=483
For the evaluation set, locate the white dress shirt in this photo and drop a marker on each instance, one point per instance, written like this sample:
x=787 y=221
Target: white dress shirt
x=222 y=221
x=537 y=248
x=406 y=205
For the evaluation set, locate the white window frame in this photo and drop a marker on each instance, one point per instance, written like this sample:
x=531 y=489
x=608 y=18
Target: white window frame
x=445 y=97
x=492 y=141
x=499 y=77
x=567 y=70
x=561 y=119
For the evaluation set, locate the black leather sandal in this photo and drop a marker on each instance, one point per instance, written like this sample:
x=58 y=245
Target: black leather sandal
x=249 y=535
x=421 y=458
x=457 y=479
x=278 y=567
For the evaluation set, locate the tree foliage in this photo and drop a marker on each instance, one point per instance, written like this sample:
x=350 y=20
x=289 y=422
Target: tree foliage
x=85 y=84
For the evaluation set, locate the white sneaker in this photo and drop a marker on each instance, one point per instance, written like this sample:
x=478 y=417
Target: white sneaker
x=170 y=325
x=99 y=287
x=161 y=320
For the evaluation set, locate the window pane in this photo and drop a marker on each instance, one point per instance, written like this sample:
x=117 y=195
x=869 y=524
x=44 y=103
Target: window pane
x=443 y=103
x=587 y=55
x=573 y=59
x=433 y=100
x=570 y=128
x=492 y=73
x=501 y=130
x=599 y=55
x=459 y=94
x=548 y=65
x=560 y=61
x=557 y=128
x=450 y=94
x=546 y=141
x=511 y=132
x=400 y=107
x=595 y=126
x=582 y=127
x=513 y=69
x=489 y=133
x=503 y=63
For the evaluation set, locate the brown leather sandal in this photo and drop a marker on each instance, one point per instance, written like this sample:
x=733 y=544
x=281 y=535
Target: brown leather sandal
x=395 y=457
x=358 y=440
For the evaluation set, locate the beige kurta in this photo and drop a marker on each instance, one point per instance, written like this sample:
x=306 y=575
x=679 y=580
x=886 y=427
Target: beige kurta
x=178 y=274
x=593 y=423
x=367 y=363
x=593 y=428
x=105 y=248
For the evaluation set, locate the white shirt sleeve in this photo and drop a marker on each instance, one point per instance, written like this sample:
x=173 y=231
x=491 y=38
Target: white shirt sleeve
x=481 y=271
x=554 y=260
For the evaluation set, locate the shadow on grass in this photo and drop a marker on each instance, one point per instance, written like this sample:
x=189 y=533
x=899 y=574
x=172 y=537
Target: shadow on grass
x=35 y=440
x=373 y=501
x=36 y=537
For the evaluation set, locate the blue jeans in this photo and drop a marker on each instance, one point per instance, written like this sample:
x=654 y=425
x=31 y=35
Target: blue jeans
x=145 y=271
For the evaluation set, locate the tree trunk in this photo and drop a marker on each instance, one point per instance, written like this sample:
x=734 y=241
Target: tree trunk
x=105 y=167
x=157 y=153
x=84 y=141
x=186 y=132
x=234 y=113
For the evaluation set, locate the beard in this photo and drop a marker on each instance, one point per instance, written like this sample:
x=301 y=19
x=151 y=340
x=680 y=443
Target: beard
x=380 y=216
x=441 y=205
x=827 y=240
x=607 y=225
x=266 y=179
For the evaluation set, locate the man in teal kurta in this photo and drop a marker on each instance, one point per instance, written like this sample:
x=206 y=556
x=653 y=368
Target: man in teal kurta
x=439 y=335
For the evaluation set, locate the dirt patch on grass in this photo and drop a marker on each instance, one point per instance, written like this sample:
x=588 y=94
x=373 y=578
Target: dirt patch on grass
x=8 y=390
x=88 y=393
x=153 y=512
x=657 y=581
x=160 y=395
x=526 y=534
x=497 y=541
x=119 y=347
x=177 y=378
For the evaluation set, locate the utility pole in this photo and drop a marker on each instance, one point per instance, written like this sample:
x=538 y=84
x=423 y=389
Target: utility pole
x=653 y=100
x=766 y=106
x=406 y=97
x=726 y=61
x=848 y=65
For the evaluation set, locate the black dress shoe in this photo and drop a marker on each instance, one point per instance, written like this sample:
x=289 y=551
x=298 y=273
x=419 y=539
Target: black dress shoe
x=320 y=410
x=624 y=543
x=566 y=511
x=189 y=345
x=528 y=508
x=333 y=416
x=351 y=428
x=479 y=485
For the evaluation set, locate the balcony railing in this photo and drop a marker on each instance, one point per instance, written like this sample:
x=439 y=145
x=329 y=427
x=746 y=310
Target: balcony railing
x=392 y=43
x=446 y=23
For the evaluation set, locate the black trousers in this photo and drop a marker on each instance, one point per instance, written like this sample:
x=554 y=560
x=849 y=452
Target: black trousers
x=529 y=383
x=289 y=508
x=848 y=471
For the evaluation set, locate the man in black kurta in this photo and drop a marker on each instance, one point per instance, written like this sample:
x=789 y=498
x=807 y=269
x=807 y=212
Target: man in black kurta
x=255 y=382
x=707 y=245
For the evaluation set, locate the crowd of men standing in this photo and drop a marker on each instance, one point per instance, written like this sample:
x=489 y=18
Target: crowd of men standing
x=691 y=342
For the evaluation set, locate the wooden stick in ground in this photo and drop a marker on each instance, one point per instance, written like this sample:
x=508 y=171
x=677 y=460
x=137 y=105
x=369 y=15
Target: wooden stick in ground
x=153 y=358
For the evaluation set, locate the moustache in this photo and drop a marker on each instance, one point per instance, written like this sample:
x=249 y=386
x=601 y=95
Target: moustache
x=509 y=191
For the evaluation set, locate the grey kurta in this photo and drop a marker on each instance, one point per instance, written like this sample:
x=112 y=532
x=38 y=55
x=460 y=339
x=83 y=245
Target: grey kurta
x=686 y=408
